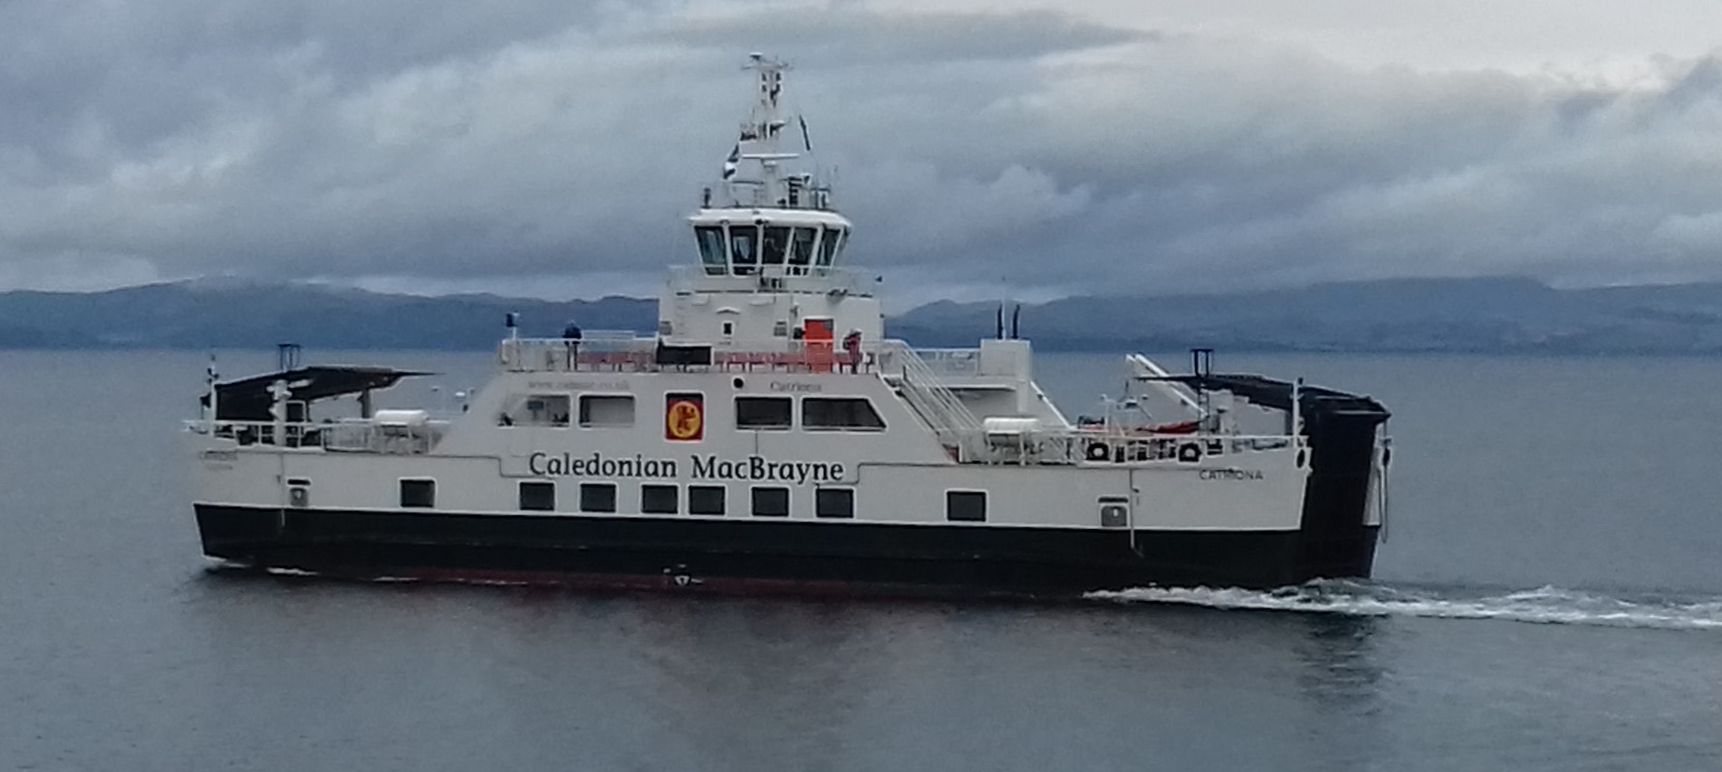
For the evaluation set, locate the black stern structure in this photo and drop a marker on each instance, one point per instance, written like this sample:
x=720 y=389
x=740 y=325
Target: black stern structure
x=1336 y=538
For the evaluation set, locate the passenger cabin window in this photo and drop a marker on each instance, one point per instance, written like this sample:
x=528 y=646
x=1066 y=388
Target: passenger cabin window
x=418 y=494
x=606 y=410
x=840 y=414
x=776 y=245
x=801 y=248
x=771 y=502
x=763 y=412
x=834 y=502
x=966 y=506
x=706 y=499
x=710 y=238
x=597 y=497
x=538 y=496
x=659 y=499
x=744 y=248
x=539 y=410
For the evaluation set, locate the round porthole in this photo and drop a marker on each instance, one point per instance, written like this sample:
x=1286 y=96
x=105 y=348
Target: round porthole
x=736 y=383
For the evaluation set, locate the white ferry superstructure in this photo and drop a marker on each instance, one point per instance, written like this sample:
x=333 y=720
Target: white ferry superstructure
x=768 y=435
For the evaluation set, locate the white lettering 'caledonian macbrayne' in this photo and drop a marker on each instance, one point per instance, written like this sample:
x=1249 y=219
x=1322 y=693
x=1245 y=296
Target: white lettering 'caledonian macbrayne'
x=704 y=467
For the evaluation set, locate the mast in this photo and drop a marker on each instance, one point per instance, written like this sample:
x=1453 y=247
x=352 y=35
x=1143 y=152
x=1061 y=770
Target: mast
x=756 y=172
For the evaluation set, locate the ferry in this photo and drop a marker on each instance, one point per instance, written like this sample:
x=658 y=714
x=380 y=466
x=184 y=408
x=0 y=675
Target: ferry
x=769 y=436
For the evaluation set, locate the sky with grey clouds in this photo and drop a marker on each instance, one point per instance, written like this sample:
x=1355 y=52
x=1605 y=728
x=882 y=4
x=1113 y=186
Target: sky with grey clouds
x=550 y=147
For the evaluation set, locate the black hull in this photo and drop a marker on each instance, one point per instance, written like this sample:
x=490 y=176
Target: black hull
x=748 y=555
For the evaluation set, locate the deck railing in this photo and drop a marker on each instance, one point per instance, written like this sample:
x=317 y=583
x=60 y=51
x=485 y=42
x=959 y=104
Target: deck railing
x=783 y=278
x=1080 y=446
x=951 y=361
x=356 y=436
x=636 y=354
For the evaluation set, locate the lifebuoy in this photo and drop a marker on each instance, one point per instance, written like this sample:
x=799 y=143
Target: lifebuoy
x=1189 y=452
x=1097 y=451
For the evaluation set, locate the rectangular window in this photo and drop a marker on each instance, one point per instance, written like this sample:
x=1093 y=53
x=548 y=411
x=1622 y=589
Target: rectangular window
x=966 y=506
x=834 y=502
x=419 y=494
x=771 y=502
x=828 y=246
x=659 y=499
x=801 y=249
x=776 y=244
x=538 y=410
x=706 y=499
x=597 y=497
x=840 y=413
x=606 y=410
x=711 y=249
x=743 y=248
x=763 y=412
x=538 y=496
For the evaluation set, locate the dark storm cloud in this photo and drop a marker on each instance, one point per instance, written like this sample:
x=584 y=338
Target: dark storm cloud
x=466 y=143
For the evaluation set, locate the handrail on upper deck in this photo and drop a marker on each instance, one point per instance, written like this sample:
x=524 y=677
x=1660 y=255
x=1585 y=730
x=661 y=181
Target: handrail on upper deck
x=351 y=436
x=650 y=354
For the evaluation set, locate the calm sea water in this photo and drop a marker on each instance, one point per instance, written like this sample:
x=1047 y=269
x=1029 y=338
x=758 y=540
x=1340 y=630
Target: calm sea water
x=1549 y=598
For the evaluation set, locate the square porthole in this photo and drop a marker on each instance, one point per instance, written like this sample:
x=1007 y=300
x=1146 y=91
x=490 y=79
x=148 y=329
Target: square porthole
x=706 y=499
x=538 y=496
x=966 y=506
x=770 y=502
x=659 y=499
x=834 y=503
x=418 y=494
x=597 y=497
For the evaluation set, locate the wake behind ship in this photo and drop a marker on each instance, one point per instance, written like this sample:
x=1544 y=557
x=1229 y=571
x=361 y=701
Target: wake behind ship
x=769 y=436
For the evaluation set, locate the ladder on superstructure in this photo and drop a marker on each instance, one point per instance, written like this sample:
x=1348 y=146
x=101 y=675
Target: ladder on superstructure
x=955 y=425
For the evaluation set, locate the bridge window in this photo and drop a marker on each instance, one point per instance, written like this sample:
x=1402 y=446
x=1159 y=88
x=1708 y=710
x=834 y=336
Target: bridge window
x=597 y=497
x=770 y=502
x=538 y=496
x=828 y=246
x=801 y=249
x=762 y=412
x=706 y=499
x=776 y=245
x=418 y=494
x=744 y=248
x=659 y=499
x=966 y=506
x=606 y=410
x=710 y=238
x=834 y=502
x=840 y=413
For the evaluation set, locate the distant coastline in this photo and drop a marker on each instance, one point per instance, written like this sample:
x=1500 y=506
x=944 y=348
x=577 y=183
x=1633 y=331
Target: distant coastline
x=1481 y=316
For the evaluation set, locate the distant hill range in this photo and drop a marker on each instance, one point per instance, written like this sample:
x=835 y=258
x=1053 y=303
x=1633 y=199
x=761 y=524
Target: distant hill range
x=1433 y=315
